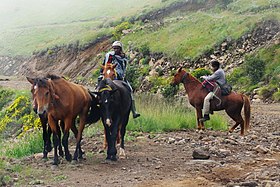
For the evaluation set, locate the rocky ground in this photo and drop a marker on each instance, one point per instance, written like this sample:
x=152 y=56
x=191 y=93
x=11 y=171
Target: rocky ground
x=166 y=159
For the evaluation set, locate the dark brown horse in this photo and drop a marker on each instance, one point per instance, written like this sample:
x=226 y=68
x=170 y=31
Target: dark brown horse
x=62 y=100
x=232 y=103
x=115 y=104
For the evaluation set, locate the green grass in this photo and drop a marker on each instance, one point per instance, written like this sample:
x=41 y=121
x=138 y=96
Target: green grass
x=32 y=25
x=198 y=32
x=29 y=144
x=158 y=115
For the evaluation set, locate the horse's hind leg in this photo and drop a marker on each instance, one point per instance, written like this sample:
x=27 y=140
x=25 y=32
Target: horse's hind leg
x=122 y=134
x=65 y=138
x=238 y=120
x=60 y=151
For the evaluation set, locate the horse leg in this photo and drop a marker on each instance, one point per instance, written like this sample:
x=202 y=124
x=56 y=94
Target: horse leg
x=75 y=131
x=60 y=151
x=66 y=127
x=237 y=117
x=79 y=136
x=105 y=144
x=113 y=150
x=56 y=141
x=46 y=138
x=123 y=131
x=200 y=125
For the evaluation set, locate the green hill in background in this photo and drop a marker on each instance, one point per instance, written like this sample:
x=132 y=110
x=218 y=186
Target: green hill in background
x=33 y=25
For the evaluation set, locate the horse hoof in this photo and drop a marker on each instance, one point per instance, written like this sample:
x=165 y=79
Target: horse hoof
x=114 y=158
x=48 y=148
x=68 y=157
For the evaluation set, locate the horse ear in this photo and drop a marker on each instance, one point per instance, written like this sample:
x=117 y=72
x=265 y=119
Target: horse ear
x=180 y=69
x=31 y=80
x=114 y=66
x=101 y=66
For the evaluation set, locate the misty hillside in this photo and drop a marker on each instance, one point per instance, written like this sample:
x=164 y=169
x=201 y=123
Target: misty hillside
x=33 y=25
x=158 y=37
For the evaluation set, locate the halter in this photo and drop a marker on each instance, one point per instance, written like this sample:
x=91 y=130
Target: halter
x=107 y=88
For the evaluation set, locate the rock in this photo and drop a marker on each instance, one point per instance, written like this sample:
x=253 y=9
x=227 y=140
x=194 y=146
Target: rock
x=261 y=149
x=200 y=154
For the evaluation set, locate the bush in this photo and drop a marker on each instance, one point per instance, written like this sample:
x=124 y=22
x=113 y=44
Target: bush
x=276 y=96
x=144 y=49
x=133 y=73
x=117 y=32
x=200 y=72
x=5 y=97
x=169 y=91
x=254 y=68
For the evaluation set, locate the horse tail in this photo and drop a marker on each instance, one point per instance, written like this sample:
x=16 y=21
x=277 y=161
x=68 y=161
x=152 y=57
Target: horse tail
x=94 y=112
x=247 y=111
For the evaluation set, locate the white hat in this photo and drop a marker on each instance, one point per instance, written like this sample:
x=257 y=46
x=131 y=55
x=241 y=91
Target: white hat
x=117 y=44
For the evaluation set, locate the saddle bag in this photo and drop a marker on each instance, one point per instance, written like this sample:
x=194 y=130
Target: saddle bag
x=226 y=89
x=209 y=85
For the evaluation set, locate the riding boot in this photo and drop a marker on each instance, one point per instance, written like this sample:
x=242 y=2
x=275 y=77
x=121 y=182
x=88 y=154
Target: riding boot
x=205 y=118
x=133 y=110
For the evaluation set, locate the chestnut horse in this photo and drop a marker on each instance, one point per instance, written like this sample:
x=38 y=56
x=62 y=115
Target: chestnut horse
x=109 y=71
x=232 y=103
x=47 y=147
x=62 y=100
x=115 y=104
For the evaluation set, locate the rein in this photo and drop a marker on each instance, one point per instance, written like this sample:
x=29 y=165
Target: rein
x=107 y=88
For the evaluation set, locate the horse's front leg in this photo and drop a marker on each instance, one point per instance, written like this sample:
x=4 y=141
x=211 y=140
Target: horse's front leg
x=56 y=141
x=46 y=138
x=111 y=136
x=200 y=125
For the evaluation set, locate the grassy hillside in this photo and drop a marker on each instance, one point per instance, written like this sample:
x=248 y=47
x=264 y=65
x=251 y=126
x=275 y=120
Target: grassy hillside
x=33 y=25
x=188 y=34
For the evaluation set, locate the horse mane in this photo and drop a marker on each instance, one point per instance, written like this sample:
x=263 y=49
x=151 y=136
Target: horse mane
x=53 y=77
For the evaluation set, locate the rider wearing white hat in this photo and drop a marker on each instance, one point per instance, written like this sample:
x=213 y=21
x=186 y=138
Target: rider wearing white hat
x=118 y=57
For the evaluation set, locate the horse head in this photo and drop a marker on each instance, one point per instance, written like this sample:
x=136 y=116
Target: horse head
x=109 y=71
x=179 y=76
x=106 y=99
x=43 y=94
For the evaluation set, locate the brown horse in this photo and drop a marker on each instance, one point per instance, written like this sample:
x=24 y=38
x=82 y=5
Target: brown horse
x=232 y=103
x=44 y=121
x=109 y=71
x=63 y=100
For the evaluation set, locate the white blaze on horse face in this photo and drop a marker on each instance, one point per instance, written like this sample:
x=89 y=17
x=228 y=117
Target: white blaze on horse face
x=108 y=72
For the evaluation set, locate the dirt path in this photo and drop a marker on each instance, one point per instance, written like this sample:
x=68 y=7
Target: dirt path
x=166 y=159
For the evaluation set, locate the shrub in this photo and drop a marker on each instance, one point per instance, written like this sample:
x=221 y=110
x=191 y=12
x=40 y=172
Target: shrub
x=144 y=49
x=117 y=32
x=276 y=96
x=133 y=73
x=169 y=91
x=200 y=72
x=254 y=68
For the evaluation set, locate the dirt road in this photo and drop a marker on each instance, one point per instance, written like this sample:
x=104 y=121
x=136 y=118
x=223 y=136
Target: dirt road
x=166 y=159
